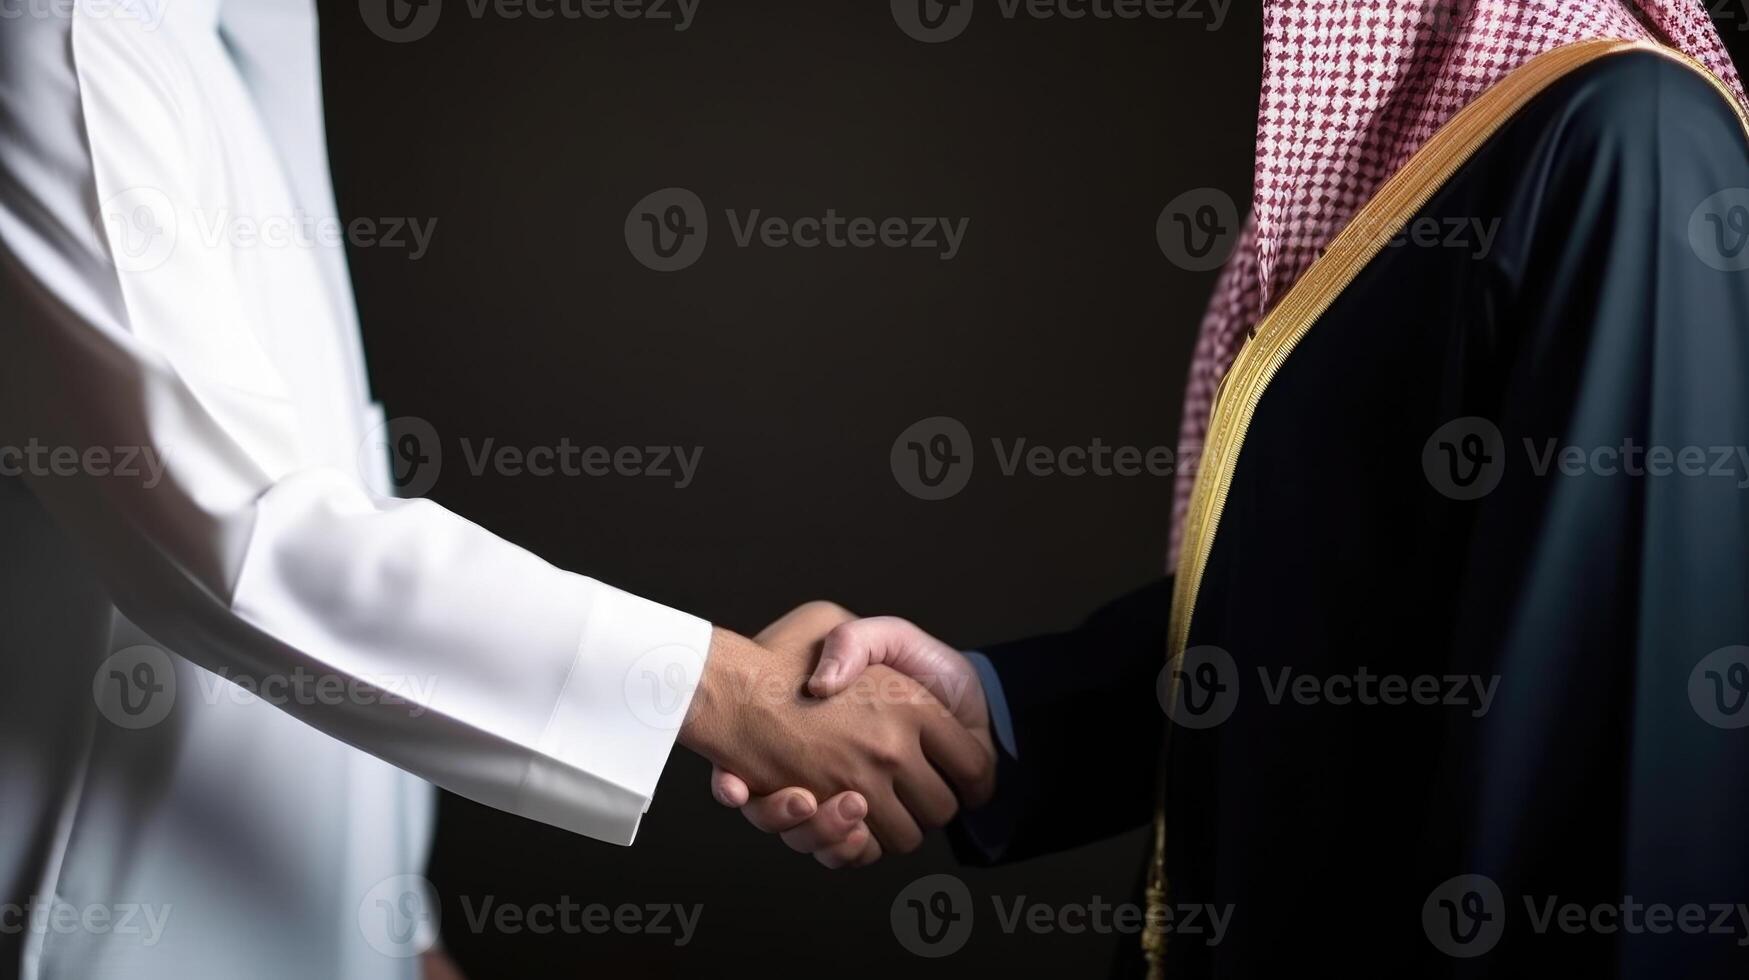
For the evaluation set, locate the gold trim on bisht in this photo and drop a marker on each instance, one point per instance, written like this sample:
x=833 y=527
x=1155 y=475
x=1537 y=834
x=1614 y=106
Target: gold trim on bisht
x=1276 y=335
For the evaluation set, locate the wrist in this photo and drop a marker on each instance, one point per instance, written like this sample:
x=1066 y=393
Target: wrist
x=709 y=725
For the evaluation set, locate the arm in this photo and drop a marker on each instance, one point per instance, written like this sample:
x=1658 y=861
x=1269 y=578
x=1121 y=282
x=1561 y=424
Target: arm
x=251 y=552
x=253 y=547
x=1086 y=726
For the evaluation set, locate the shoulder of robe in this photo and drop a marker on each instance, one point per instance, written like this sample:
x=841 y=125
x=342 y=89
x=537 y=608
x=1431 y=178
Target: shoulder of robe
x=1641 y=107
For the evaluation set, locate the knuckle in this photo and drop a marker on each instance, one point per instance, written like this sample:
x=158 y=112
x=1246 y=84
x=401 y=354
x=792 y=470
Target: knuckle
x=889 y=755
x=823 y=609
x=845 y=633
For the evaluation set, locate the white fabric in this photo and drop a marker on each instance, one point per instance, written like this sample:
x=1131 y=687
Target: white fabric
x=258 y=827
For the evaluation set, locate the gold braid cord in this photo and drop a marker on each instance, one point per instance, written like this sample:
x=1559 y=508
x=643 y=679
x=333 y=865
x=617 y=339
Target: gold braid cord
x=1277 y=333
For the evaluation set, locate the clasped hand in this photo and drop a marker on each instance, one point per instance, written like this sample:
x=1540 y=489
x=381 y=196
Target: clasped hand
x=883 y=723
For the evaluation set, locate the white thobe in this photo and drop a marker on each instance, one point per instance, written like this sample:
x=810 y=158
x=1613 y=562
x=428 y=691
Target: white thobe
x=387 y=643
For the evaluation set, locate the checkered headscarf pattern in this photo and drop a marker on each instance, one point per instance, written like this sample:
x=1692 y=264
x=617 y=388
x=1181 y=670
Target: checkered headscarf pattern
x=1351 y=90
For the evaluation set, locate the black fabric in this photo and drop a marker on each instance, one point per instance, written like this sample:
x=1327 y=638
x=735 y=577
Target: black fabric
x=1086 y=724
x=1588 y=600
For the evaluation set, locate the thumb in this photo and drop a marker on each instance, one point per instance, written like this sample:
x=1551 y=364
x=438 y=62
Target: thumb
x=896 y=643
x=729 y=789
x=849 y=650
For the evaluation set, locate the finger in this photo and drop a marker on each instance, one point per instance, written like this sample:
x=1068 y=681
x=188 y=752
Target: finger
x=845 y=654
x=891 y=823
x=729 y=789
x=859 y=850
x=871 y=852
x=781 y=811
x=967 y=763
x=925 y=794
x=832 y=825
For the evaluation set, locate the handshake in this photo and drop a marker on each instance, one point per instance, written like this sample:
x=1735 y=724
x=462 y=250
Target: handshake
x=848 y=737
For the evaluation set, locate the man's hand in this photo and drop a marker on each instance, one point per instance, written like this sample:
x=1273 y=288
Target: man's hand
x=848 y=649
x=883 y=735
x=834 y=832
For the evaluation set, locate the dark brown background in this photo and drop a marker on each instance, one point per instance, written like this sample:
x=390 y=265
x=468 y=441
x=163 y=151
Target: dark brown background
x=1060 y=321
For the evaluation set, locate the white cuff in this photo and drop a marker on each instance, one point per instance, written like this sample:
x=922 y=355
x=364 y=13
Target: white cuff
x=602 y=752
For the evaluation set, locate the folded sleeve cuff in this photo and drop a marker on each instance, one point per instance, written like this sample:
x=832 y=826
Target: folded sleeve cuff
x=618 y=714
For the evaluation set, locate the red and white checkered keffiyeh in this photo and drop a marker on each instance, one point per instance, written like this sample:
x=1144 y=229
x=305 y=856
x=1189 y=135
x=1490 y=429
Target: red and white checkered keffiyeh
x=1351 y=90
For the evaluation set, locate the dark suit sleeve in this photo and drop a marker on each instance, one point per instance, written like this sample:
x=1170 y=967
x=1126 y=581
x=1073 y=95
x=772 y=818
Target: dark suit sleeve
x=1087 y=731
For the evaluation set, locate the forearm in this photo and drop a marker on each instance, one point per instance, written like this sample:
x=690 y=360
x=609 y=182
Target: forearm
x=1087 y=730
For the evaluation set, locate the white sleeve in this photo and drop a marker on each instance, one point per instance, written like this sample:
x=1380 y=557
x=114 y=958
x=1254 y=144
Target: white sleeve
x=519 y=685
